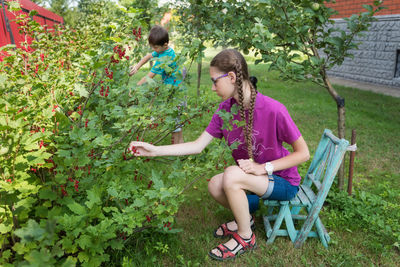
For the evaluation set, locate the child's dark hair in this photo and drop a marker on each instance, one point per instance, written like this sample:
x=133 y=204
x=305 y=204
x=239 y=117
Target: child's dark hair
x=231 y=60
x=158 y=36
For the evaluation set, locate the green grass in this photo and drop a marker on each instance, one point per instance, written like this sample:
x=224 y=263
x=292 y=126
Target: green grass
x=375 y=117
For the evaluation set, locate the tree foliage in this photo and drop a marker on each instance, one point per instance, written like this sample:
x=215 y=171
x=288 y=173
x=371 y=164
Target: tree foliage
x=296 y=38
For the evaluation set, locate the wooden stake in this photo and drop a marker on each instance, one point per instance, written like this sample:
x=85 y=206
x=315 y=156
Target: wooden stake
x=352 y=155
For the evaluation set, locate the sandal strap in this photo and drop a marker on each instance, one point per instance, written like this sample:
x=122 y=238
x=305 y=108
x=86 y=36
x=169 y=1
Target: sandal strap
x=225 y=252
x=225 y=229
x=246 y=245
x=240 y=240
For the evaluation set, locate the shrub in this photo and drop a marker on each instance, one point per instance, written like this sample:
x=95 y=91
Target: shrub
x=375 y=213
x=70 y=190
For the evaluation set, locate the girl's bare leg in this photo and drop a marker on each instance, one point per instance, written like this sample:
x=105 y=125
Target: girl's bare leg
x=234 y=183
x=216 y=190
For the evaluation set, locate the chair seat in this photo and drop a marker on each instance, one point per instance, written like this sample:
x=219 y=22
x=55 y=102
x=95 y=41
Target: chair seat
x=303 y=198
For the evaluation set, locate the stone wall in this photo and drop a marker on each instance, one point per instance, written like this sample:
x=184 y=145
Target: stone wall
x=378 y=58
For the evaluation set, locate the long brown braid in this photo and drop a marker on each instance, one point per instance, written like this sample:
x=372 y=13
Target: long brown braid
x=231 y=60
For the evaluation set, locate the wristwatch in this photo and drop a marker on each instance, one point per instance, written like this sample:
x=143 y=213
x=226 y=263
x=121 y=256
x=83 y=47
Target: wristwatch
x=269 y=168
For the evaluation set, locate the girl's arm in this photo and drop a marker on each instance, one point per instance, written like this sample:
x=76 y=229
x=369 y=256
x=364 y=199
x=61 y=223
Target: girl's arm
x=299 y=155
x=143 y=80
x=143 y=61
x=189 y=148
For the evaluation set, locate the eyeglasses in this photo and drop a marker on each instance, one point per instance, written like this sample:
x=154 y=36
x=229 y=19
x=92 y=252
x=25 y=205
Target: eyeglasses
x=219 y=77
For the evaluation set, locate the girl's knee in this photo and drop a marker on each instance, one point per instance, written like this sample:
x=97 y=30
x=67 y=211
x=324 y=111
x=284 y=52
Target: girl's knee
x=231 y=177
x=214 y=185
x=232 y=170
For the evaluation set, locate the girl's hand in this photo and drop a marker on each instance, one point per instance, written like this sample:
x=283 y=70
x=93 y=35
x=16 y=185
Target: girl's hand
x=249 y=166
x=133 y=70
x=142 y=149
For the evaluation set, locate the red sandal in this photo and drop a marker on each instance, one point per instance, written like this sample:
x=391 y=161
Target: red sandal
x=227 y=232
x=241 y=247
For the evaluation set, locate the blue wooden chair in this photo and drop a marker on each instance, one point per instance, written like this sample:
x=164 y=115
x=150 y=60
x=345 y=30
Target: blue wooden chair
x=311 y=196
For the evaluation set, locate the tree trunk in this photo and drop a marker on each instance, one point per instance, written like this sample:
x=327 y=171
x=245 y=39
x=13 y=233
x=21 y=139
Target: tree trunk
x=198 y=76
x=341 y=122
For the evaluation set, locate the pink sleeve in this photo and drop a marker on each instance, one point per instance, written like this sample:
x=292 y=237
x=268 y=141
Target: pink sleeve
x=287 y=129
x=215 y=126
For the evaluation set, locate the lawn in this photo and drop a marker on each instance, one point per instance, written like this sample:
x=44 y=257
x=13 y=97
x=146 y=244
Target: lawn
x=375 y=117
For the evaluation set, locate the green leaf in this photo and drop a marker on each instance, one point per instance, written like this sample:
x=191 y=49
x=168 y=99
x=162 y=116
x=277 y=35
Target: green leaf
x=31 y=232
x=112 y=192
x=368 y=7
x=83 y=161
x=77 y=208
x=3 y=79
x=3 y=150
x=116 y=39
x=84 y=241
x=69 y=262
x=14 y=5
x=64 y=153
x=150 y=82
x=81 y=90
x=32 y=13
x=47 y=193
x=5 y=228
x=83 y=256
x=138 y=203
x=37 y=157
x=94 y=198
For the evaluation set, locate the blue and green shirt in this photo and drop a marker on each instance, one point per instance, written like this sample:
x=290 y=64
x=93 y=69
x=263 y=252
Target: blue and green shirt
x=167 y=72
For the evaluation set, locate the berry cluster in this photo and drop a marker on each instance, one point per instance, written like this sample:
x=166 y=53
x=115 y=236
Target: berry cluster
x=63 y=191
x=153 y=125
x=80 y=110
x=167 y=225
x=137 y=33
x=121 y=53
x=109 y=74
x=106 y=92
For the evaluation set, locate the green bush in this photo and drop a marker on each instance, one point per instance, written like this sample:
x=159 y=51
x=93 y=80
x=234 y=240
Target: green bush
x=70 y=191
x=376 y=213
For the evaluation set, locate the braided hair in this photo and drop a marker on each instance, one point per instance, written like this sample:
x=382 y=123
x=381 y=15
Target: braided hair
x=231 y=60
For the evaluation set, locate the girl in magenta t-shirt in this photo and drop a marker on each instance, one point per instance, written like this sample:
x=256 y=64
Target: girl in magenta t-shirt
x=264 y=166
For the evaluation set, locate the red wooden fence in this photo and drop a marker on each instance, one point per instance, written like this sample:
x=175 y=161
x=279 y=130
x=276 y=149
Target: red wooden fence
x=44 y=17
x=346 y=8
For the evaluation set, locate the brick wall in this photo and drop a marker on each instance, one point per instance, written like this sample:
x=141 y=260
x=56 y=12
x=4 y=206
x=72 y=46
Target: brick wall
x=346 y=8
x=378 y=58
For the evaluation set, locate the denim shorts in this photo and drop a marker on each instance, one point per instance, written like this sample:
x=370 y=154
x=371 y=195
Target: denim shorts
x=279 y=189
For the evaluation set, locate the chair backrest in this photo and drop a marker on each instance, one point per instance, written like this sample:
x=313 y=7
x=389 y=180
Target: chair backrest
x=325 y=164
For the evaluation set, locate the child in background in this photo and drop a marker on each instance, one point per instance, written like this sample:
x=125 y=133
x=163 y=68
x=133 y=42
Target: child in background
x=158 y=40
x=264 y=166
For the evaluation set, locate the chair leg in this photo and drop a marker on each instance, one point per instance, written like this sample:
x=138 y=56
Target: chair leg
x=270 y=210
x=278 y=222
x=292 y=232
x=323 y=235
x=305 y=230
x=267 y=226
